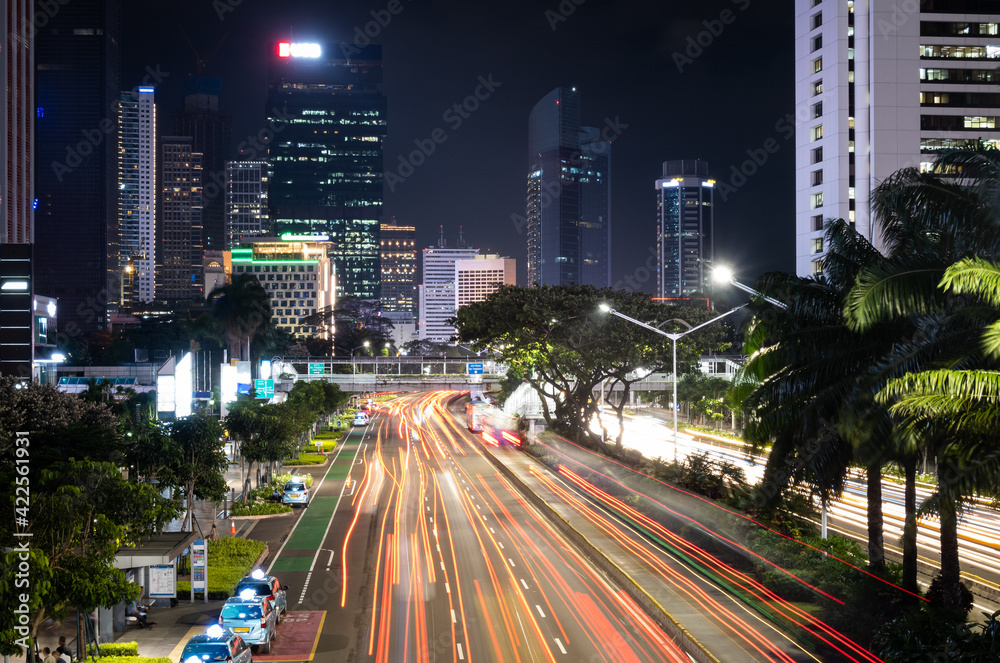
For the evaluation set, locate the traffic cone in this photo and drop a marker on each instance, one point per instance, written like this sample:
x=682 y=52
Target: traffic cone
x=232 y=527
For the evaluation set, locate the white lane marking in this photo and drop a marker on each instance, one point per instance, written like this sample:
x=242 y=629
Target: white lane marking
x=447 y=589
x=561 y=648
x=492 y=530
x=329 y=562
x=511 y=561
x=430 y=518
x=461 y=654
x=539 y=608
x=501 y=544
x=454 y=620
x=442 y=566
x=524 y=583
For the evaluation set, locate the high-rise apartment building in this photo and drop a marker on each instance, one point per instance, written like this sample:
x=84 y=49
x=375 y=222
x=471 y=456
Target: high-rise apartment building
x=685 y=238
x=179 y=251
x=439 y=291
x=479 y=277
x=877 y=89
x=77 y=90
x=399 y=267
x=137 y=197
x=211 y=135
x=569 y=202
x=246 y=201
x=17 y=116
x=298 y=277
x=327 y=114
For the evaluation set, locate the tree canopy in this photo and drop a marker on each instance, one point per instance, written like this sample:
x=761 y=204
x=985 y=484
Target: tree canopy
x=566 y=347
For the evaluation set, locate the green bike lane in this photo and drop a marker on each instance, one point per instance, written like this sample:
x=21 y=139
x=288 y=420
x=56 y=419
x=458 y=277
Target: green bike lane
x=298 y=552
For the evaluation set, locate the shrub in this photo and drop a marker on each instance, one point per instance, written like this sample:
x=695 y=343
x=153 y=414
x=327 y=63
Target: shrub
x=133 y=659
x=307 y=459
x=116 y=649
x=259 y=509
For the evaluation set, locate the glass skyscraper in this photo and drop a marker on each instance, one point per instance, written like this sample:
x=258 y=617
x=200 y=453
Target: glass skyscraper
x=685 y=239
x=78 y=60
x=327 y=117
x=569 y=199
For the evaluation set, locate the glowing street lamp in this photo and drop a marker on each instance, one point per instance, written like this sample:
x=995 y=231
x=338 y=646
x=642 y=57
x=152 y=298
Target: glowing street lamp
x=673 y=337
x=724 y=275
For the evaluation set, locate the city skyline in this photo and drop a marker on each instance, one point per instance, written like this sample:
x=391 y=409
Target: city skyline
x=475 y=175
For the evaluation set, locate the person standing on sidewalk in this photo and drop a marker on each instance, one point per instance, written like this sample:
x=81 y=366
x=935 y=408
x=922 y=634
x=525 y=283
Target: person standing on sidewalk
x=47 y=656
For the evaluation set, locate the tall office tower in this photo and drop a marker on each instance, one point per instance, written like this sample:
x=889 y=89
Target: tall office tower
x=246 y=201
x=569 y=195
x=327 y=116
x=439 y=291
x=399 y=267
x=17 y=110
x=685 y=238
x=77 y=89
x=878 y=89
x=479 y=277
x=137 y=197
x=179 y=250
x=211 y=131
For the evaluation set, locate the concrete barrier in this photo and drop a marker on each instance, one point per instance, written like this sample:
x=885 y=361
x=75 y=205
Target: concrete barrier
x=656 y=612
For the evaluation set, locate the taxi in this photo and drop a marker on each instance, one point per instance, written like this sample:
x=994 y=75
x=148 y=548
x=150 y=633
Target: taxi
x=216 y=644
x=295 y=491
x=265 y=585
x=253 y=618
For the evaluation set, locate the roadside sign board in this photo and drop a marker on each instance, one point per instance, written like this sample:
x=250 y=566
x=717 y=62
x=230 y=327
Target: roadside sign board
x=475 y=369
x=315 y=368
x=264 y=388
x=199 y=568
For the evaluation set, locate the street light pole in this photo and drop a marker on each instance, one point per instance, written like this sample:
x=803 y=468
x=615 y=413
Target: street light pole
x=673 y=337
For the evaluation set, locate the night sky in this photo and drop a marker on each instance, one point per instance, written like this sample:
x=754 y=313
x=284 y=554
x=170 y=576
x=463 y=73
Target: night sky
x=636 y=64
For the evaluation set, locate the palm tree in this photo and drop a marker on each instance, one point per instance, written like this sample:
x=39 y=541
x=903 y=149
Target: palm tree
x=242 y=309
x=928 y=222
x=806 y=373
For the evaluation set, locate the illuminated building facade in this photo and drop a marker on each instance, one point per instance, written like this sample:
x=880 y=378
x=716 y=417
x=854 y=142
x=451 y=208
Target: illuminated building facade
x=17 y=140
x=479 y=277
x=399 y=267
x=328 y=118
x=137 y=197
x=568 y=211
x=246 y=201
x=877 y=89
x=439 y=291
x=298 y=276
x=180 y=248
x=685 y=237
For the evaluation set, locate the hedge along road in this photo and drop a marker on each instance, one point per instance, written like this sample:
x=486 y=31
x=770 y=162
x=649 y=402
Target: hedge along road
x=302 y=547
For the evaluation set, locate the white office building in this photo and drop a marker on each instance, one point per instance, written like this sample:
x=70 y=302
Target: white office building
x=439 y=292
x=137 y=196
x=479 y=277
x=879 y=86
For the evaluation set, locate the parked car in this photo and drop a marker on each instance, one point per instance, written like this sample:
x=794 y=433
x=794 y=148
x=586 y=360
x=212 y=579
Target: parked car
x=253 y=618
x=217 y=644
x=265 y=585
x=295 y=491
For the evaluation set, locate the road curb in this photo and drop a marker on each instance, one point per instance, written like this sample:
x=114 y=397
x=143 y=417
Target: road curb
x=263 y=517
x=651 y=606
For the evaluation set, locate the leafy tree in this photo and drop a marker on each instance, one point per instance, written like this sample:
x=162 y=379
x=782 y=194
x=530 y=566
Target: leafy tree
x=565 y=347
x=201 y=472
x=354 y=321
x=266 y=434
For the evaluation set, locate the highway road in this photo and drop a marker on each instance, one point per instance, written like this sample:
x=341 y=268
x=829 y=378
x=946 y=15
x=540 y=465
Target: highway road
x=979 y=529
x=415 y=549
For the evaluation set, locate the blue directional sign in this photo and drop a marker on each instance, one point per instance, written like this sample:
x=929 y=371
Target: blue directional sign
x=475 y=369
x=264 y=388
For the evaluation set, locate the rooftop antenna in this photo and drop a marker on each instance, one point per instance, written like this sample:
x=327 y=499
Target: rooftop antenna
x=461 y=239
x=441 y=241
